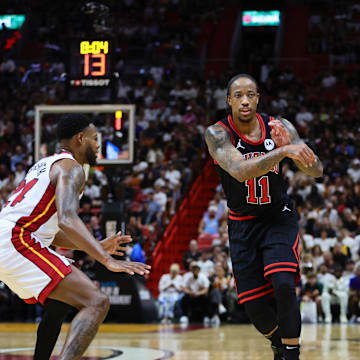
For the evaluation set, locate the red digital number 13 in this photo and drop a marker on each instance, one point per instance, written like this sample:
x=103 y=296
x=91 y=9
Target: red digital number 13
x=101 y=64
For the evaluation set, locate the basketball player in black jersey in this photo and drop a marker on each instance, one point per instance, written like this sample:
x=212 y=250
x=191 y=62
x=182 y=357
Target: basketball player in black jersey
x=247 y=148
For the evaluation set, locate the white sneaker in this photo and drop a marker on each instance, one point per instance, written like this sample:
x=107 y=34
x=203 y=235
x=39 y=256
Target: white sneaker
x=215 y=320
x=184 y=320
x=206 y=321
x=328 y=320
x=343 y=319
x=222 y=309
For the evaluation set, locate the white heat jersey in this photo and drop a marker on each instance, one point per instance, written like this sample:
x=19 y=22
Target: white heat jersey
x=31 y=207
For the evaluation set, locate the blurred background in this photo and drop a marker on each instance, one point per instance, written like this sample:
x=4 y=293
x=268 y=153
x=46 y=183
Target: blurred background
x=172 y=59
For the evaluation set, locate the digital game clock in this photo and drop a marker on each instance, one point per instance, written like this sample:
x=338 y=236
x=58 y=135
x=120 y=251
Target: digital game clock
x=90 y=63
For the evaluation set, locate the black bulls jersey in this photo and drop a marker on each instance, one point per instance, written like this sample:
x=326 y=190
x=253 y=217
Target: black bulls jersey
x=254 y=196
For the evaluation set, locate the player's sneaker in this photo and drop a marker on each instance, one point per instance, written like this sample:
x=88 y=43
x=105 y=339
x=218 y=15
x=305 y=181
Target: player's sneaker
x=278 y=352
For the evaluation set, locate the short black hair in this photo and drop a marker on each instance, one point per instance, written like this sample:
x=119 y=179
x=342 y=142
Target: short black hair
x=71 y=124
x=239 y=76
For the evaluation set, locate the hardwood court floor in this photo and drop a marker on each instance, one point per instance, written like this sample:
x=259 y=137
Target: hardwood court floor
x=155 y=342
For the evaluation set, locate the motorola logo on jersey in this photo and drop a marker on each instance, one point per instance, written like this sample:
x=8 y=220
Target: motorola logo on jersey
x=269 y=144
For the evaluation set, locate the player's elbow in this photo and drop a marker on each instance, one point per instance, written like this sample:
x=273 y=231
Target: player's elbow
x=66 y=221
x=319 y=172
x=238 y=173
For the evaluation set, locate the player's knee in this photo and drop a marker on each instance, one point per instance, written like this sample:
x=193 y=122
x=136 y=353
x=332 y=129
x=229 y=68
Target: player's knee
x=258 y=313
x=102 y=302
x=283 y=283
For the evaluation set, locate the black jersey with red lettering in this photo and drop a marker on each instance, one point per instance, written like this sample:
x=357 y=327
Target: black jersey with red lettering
x=254 y=196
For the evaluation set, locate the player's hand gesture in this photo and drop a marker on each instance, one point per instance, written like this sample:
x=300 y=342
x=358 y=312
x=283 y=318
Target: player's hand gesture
x=112 y=244
x=129 y=267
x=279 y=133
x=302 y=153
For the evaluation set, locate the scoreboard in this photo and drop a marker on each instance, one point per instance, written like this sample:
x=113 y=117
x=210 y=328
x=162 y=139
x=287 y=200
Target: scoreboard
x=90 y=63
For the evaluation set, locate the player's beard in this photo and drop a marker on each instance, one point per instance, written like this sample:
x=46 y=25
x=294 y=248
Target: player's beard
x=90 y=156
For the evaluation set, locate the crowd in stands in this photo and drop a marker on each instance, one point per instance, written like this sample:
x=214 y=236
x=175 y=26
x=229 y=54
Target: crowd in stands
x=334 y=31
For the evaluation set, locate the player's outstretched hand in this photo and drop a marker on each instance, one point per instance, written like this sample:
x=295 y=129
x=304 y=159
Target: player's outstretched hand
x=279 y=133
x=112 y=244
x=302 y=153
x=129 y=267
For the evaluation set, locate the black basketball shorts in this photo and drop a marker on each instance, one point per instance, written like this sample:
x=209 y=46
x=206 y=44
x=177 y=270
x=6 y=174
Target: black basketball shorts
x=261 y=247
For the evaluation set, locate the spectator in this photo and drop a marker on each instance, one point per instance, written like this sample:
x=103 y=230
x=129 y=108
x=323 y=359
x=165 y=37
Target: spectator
x=95 y=228
x=328 y=80
x=317 y=257
x=207 y=267
x=137 y=253
x=354 y=299
x=312 y=291
x=303 y=117
x=160 y=197
x=324 y=241
x=189 y=117
x=354 y=170
x=209 y=224
x=191 y=255
x=4 y=194
x=339 y=257
x=219 y=287
x=134 y=230
x=349 y=270
x=335 y=291
x=323 y=274
x=19 y=174
x=92 y=190
x=173 y=176
x=86 y=214
x=219 y=96
x=170 y=288
x=18 y=157
x=329 y=261
x=195 y=288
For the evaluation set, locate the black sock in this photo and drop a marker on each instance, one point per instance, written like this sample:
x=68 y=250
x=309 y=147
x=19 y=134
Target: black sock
x=291 y=352
x=49 y=328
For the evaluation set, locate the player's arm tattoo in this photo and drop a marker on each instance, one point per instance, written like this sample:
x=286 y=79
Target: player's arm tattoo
x=316 y=169
x=231 y=160
x=71 y=184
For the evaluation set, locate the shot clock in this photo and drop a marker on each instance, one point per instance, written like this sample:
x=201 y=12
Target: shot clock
x=90 y=67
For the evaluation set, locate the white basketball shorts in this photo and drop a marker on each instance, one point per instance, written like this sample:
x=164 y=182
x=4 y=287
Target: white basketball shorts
x=29 y=268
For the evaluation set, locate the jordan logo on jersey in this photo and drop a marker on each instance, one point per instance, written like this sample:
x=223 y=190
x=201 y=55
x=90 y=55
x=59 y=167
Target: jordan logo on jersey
x=239 y=145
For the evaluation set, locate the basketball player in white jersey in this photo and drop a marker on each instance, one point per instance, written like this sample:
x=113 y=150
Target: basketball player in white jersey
x=43 y=211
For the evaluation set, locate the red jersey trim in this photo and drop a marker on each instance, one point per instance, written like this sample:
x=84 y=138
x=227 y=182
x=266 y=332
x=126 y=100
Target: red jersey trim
x=243 y=137
x=264 y=293
x=296 y=248
x=281 y=264
x=240 y=218
x=280 y=270
x=254 y=290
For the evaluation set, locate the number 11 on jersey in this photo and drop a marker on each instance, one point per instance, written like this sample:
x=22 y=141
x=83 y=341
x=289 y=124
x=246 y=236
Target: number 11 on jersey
x=253 y=186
